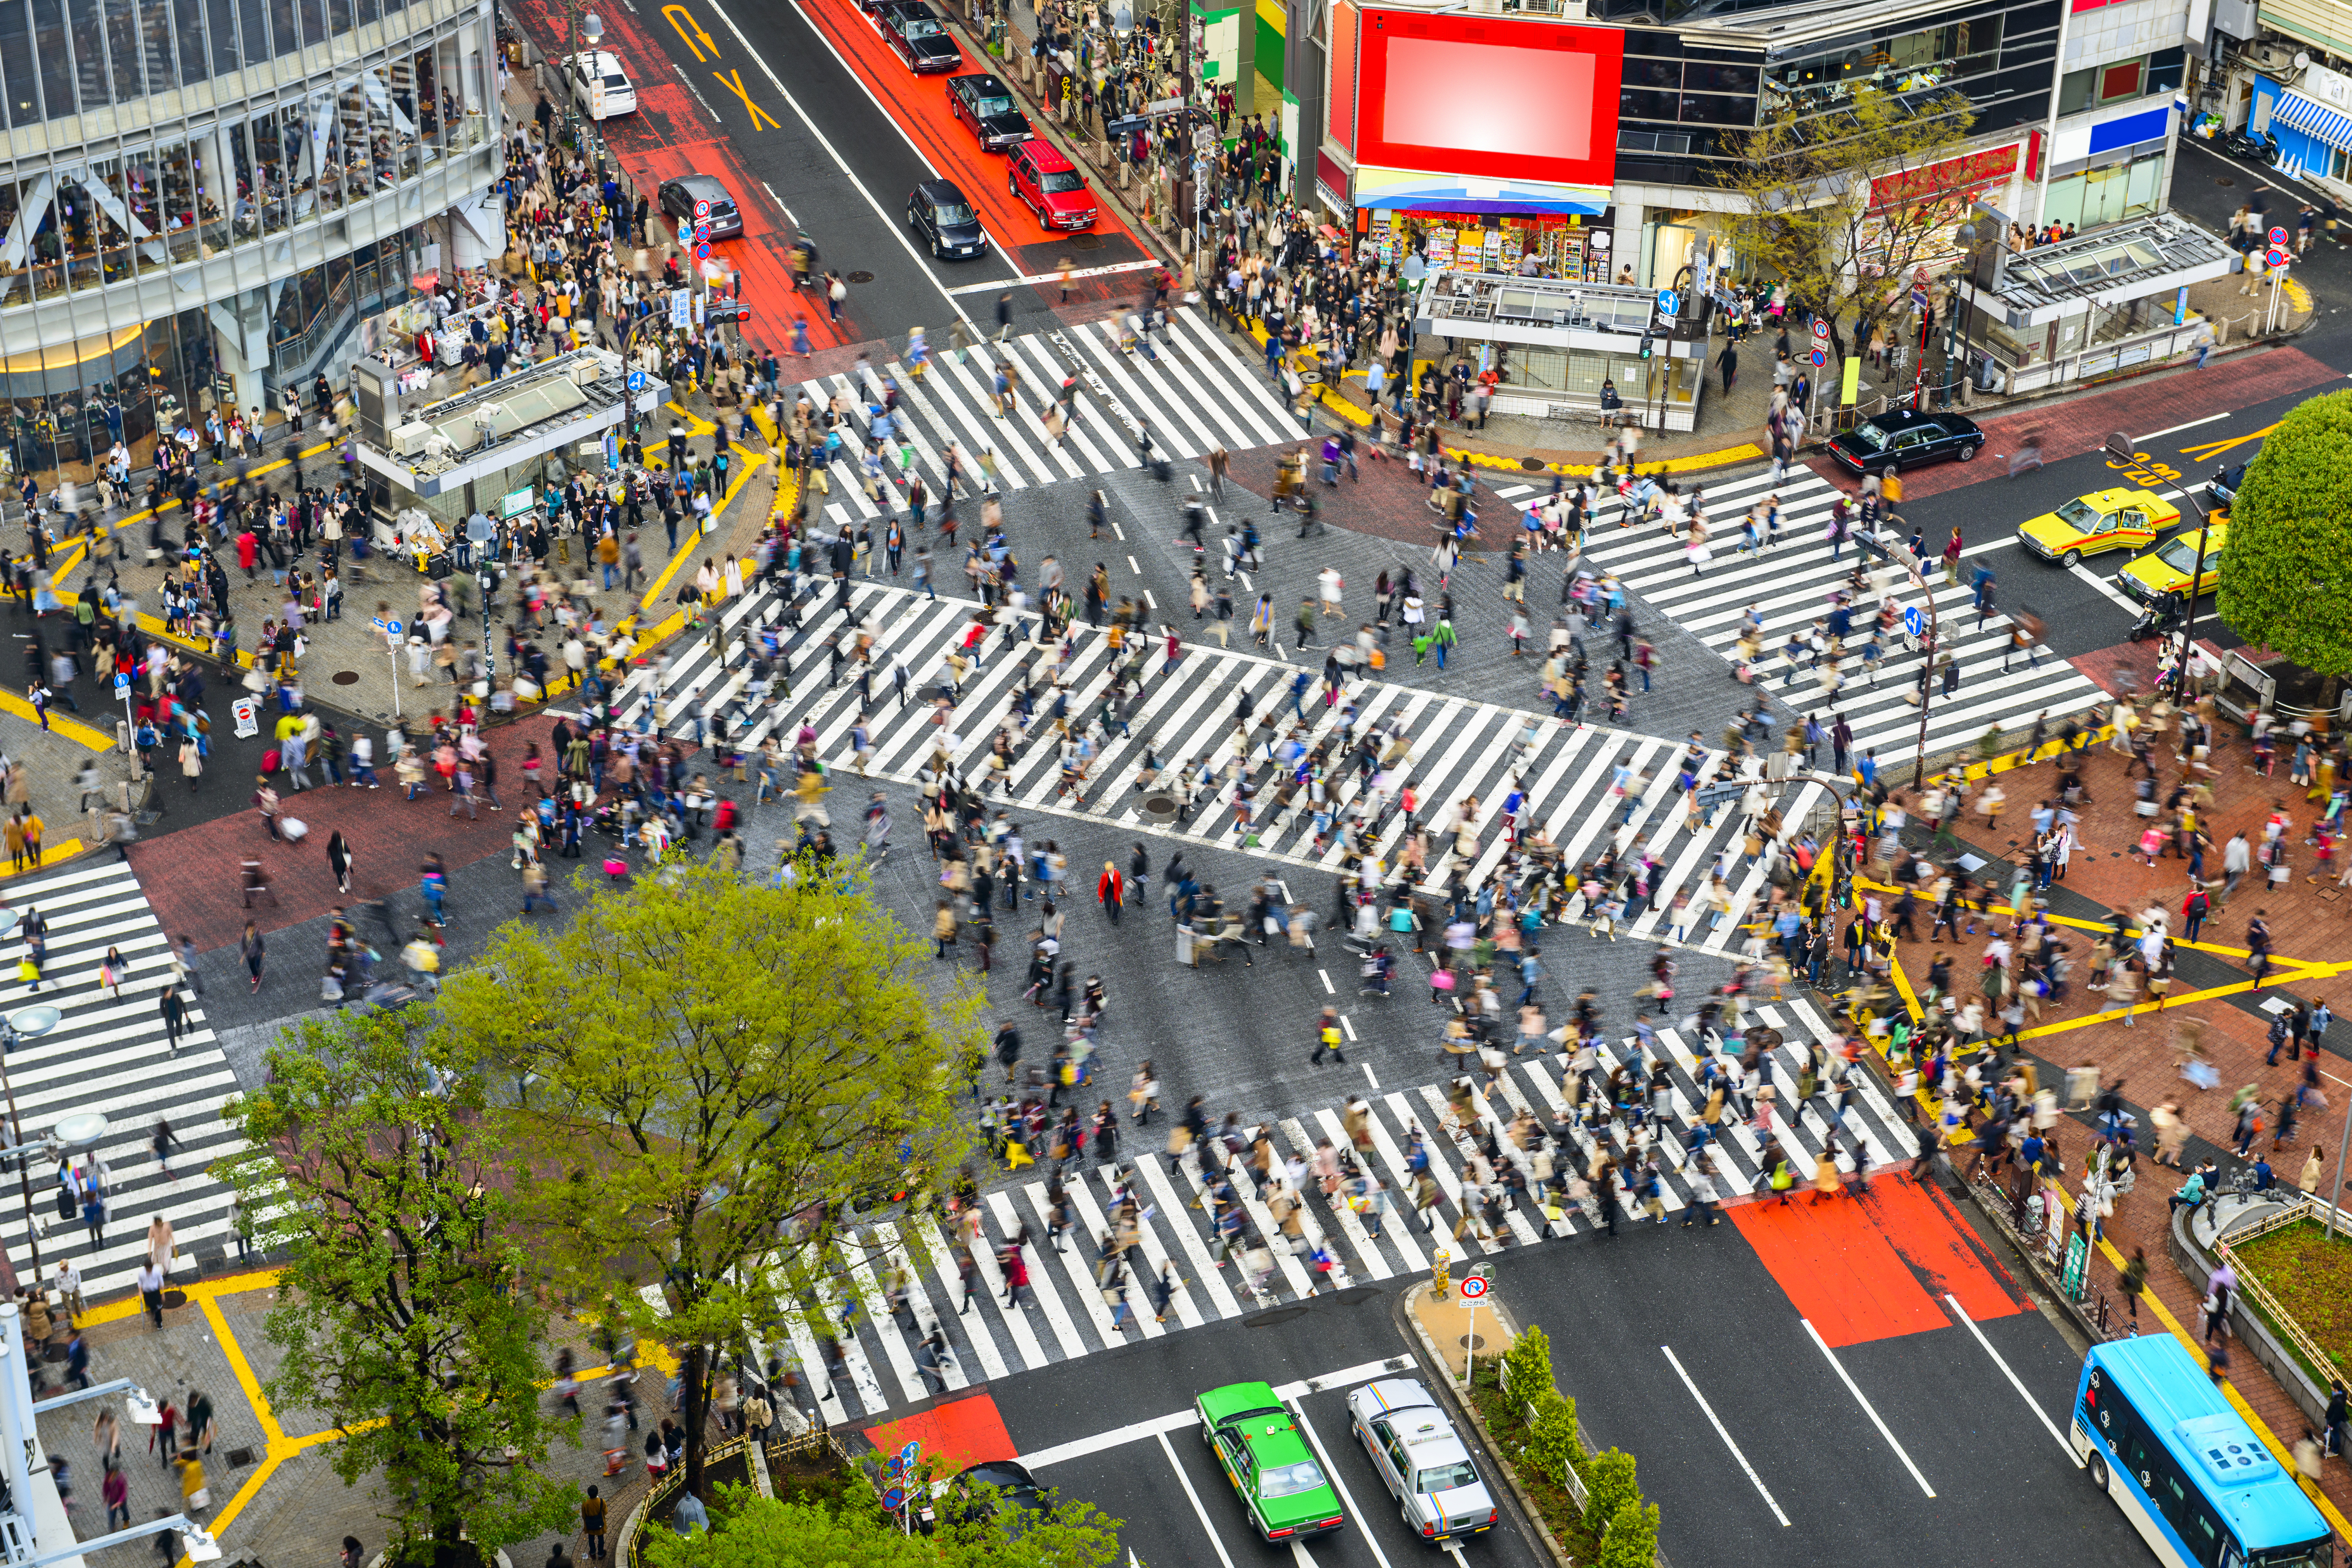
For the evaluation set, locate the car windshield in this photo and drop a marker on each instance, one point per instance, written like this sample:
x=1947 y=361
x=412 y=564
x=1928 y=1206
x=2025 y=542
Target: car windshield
x=2078 y=513
x=1067 y=180
x=1289 y=1481
x=953 y=212
x=1869 y=437
x=921 y=28
x=1445 y=1478
x=2180 y=555
x=991 y=104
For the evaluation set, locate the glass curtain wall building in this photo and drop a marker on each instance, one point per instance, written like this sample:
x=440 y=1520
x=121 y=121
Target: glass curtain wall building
x=200 y=198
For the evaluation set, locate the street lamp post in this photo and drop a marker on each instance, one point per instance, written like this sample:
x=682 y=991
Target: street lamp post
x=2119 y=446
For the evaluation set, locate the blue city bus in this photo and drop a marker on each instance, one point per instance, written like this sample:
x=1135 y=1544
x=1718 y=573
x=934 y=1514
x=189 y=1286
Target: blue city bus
x=2159 y=1437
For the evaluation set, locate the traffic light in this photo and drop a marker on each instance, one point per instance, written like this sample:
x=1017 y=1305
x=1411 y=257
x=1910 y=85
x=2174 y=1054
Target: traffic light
x=1648 y=341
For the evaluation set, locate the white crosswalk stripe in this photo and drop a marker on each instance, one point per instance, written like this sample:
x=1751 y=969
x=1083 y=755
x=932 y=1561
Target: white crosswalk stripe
x=1463 y=749
x=1790 y=584
x=1197 y=393
x=109 y=1053
x=1401 y=1130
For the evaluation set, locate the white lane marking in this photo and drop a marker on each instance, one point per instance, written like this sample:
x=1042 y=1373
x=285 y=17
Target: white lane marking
x=2106 y=587
x=1332 y=1471
x=1116 y=1437
x=1055 y=277
x=2173 y=430
x=2031 y=1403
x=1716 y=1421
x=1369 y=1076
x=1329 y=989
x=1298 y=1557
x=1867 y=1408
x=1133 y=567
x=1198 y=1511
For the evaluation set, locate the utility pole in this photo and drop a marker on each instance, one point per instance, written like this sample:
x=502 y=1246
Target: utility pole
x=2119 y=446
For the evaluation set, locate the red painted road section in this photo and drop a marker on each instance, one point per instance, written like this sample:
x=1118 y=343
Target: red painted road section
x=958 y=1434
x=671 y=135
x=2072 y=428
x=919 y=106
x=1875 y=1266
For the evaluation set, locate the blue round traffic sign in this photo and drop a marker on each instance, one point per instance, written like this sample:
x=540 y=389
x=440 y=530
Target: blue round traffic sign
x=122 y=685
x=391 y=626
x=1669 y=302
x=2275 y=257
x=1912 y=621
x=702 y=251
x=907 y=1454
x=2277 y=235
x=637 y=381
x=895 y=1499
x=1820 y=358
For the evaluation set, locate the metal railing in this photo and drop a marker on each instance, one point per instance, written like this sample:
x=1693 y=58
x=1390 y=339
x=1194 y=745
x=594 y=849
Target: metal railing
x=2303 y=1209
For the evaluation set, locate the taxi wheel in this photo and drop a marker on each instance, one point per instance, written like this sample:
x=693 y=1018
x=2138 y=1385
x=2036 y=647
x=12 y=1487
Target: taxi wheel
x=2072 y=559
x=1968 y=452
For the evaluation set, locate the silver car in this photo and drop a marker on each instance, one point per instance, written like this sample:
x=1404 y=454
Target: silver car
x=1413 y=1444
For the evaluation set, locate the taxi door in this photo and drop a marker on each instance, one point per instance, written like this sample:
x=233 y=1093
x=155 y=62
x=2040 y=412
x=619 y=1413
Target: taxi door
x=2133 y=527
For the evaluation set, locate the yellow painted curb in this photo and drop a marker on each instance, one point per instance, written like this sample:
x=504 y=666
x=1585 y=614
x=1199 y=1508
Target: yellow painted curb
x=654 y=591
x=72 y=728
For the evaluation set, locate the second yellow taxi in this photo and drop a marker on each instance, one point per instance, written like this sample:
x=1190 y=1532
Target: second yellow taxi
x=2165 y=569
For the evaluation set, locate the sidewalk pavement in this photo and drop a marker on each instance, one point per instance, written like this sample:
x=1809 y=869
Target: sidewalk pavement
x=275 y=1496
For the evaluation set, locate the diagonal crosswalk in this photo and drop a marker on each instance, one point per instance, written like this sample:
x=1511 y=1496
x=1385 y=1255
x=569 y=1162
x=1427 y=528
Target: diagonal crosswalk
x=1063 y=1314
x=110 y=1055
x=1465 y=755
x=1789 y=584
x=1191 y=390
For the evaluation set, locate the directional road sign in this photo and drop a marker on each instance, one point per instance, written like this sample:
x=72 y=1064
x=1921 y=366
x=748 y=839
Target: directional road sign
x=1912 y=621
x=1472 y=1286
x=1669 y=302
x=121 y=684
x=1820 y=358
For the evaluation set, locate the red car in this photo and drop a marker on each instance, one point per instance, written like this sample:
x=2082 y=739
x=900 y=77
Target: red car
x=1047 y=184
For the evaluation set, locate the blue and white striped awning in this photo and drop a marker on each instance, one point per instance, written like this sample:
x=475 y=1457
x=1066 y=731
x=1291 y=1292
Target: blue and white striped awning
x=2314 y=119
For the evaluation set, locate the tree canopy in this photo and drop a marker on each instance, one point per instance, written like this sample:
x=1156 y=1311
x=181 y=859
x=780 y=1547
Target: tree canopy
x=724 y=1072
x=2287 y=582
x=402 y=1308
x=1843 y=206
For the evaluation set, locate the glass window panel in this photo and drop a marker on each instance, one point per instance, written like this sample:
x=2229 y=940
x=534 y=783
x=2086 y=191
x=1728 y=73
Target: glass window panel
x=252 y=35
x=123 y=46
x=88 y=41
x=2078 y=90
x=220 y=25
x=2146 y=180
x=181 y=197
x=19 y=74
x=1718 y=109
x=314 y=21
x=188 y=24
x=1643 y=104
x=77 y=217
x=364 y=11
x=56 y=58
x=155 y=45
x=117 y=258
x=285 y=34
x=17 y=282
x=339 y=16
x=2165 y=69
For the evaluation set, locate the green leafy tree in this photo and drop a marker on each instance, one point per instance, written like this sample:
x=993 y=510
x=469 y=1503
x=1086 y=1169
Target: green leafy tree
x=399 y=1310
x=723 y=1065
x=2288 y=585
x=1527 y=1364
x=1553 y=1444
x=1843 y=206
x=1608 y=1485
x=752 y=1531
x=1632 y=1538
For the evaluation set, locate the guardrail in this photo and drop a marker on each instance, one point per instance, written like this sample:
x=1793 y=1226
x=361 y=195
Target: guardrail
x=2305 y=1207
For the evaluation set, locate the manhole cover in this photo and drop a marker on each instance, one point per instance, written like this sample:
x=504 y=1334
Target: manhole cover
x=1161 y=807
x=239 y=1457
x=347 y=678
x=175 y=1297
x=861 y=277
x=1532 y=465
x=1085 y=242
x=1313 y=378
x=2223 y=180
x=1472 y=1342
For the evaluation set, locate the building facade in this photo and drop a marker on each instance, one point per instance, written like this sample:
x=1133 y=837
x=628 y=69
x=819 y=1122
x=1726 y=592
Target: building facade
x=200 y=199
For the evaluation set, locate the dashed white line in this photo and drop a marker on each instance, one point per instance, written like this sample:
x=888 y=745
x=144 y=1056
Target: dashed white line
x=1369 y=1078
x=2173 y=430
x=1133 y=567
x=1202 y=1513
x=1867 y=1408
x=1121 y=532
x=1720 y=1431
x=1329 y=989
x=1970 y=1323
x=1347 y=1027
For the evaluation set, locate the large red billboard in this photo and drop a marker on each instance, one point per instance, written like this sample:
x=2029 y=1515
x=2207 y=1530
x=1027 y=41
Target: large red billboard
x=1489 y=97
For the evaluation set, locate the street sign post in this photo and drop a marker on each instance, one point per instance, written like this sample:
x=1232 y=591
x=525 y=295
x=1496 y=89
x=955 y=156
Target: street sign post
x=390 y=630
x=1474 y=1288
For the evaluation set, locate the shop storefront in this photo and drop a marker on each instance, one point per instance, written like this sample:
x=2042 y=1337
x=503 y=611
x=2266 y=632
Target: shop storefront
x=2313 y=122
x=1567 y=245
x=1571 y=350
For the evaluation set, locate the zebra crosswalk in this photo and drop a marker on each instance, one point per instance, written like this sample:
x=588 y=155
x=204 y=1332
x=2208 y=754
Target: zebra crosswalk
x=110 y=1054
x=1789 y=584
x=899 y=1284
x=1465 y=755
x=1187 y=387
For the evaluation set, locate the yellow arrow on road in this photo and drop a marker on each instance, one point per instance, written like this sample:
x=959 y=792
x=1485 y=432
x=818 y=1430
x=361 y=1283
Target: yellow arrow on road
x=2210 y=450
x=688 y=28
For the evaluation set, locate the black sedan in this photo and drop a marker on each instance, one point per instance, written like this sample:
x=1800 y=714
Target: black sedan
x=915 y=30
x=2222 y=488
x=985 y=104
x=936 y=211
x=1905 y=438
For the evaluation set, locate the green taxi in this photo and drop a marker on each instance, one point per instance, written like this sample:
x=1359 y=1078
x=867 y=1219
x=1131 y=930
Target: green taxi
x=1269 y=1461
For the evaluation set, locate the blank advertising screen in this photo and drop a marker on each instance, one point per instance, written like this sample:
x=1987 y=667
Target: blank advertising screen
x=1488 y=96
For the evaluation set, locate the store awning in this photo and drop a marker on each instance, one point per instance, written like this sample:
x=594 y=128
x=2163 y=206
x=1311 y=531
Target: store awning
x=2314 y=119
x=1405 y=190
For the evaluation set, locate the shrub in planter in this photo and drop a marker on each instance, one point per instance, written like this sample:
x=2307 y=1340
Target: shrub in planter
x=1609 y=1486
x=1632 y=1538
x=1552 y=1445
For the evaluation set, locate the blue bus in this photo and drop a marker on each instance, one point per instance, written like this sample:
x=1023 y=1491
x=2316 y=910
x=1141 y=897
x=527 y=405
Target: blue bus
x=2160 y=1440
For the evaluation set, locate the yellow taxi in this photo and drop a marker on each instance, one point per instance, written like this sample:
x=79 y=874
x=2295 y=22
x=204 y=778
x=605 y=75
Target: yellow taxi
x=2104 y=520
x=2165 y=570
